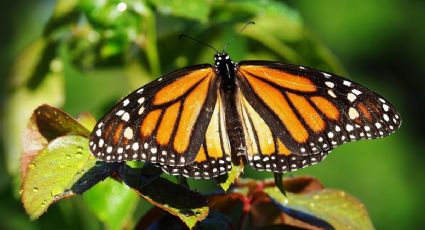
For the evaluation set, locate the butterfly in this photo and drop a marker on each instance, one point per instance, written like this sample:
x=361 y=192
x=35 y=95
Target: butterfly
x=273 y=116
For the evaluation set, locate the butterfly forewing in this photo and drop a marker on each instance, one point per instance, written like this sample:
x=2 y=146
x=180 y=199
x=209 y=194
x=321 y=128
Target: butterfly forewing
x=295 y=115
x=162 y=122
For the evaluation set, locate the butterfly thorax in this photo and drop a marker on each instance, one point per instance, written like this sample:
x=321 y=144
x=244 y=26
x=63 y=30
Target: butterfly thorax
x=226 y=70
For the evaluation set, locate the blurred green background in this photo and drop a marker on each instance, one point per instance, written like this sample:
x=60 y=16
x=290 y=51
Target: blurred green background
x=82 y=56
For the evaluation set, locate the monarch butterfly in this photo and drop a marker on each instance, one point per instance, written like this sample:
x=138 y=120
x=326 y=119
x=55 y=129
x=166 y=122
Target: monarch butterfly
x=276 y=117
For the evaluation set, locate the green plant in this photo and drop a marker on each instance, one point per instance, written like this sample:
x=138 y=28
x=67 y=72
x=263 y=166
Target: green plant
x=84 y=45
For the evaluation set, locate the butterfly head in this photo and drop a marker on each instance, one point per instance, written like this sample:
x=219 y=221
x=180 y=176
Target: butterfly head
x=222 y=58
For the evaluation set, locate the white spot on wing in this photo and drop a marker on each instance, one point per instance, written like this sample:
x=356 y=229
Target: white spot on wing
x=351 y=97
x=386 y=107
x=128 y=133
x=135 y=146
x=356 y=91
x=125 y=102
x=330 y=84
x=352 y=113
x=330 y=92
x=141 y=100
x=125 y=117
x=347 y=83
x=141 y=110
x=119 y=113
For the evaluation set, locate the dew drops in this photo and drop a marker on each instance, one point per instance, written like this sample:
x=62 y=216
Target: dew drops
x=43 y=204
x=56 y=190
x=31 y=166
x=79 y=154
x=79 y=149
x=35 y=189
x=68 y=157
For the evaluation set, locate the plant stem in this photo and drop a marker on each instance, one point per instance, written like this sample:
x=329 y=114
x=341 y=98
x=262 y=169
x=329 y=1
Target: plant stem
x=151 y=46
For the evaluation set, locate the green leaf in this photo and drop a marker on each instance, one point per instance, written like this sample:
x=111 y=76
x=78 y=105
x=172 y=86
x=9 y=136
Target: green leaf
x=53 y=122
x=193 y=9
x=112 y=202
x=52 y=173
x=65 y=12
x=286 y=39
x=45 y=124
x=336 y=207
x=87 y=120
x=231 y=176
x=179 y=201
x=279 y=182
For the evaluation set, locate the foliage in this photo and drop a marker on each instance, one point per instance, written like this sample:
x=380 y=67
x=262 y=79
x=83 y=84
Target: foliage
x=64 y=167
x=85 y=45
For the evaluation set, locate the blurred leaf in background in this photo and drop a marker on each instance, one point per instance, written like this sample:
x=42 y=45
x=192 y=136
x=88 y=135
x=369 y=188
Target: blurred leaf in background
x=85 y=55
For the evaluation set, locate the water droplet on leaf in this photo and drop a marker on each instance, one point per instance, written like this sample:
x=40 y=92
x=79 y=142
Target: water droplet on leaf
x=44 y=203
x=56 y=190
x=31 y=166
x=79 y=154
x=35 y=189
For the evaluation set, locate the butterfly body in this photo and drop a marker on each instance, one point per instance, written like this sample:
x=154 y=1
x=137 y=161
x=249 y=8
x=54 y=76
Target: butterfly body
x=277 y=117
x=226 y=69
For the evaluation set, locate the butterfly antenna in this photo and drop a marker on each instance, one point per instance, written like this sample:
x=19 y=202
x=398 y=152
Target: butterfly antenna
x=240 y=31
x=198 y=41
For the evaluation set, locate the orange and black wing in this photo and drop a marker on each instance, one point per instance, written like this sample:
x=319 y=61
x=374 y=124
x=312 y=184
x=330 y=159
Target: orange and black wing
x=213 y=158
x=162 y=122
x=293 y=115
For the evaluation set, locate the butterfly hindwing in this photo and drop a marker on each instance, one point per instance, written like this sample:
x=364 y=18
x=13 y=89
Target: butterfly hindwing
x=308 y=112
x=213 y=158
x=163 y=122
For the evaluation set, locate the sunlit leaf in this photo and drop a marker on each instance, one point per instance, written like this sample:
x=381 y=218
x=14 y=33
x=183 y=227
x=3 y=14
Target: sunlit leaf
x=231 y=176
x=53 y=122
x=87 y=120
x=46 y=123
x=65 y=12
x=287 y=37
x=336 y=207
x=112 y=202
x=193 y=9
x=179 y=201
x=52 y=173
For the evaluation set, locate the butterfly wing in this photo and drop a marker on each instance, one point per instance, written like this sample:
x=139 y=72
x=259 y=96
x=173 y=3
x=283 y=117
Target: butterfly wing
x=294 y=115
x=163 y=122
x=213 y=158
